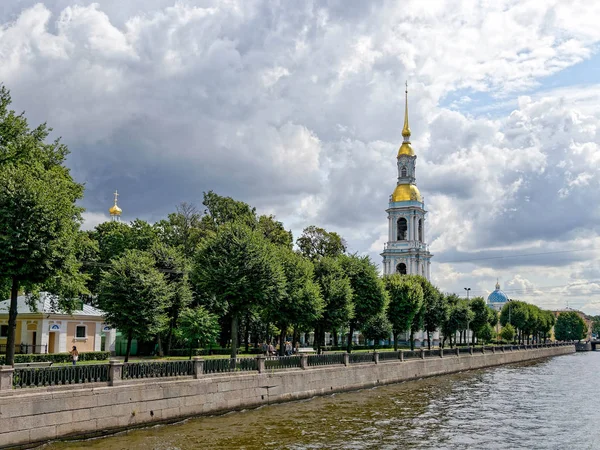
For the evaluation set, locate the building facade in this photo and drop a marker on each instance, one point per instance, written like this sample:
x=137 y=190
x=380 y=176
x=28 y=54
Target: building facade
x=406 y=251
x=43 y=329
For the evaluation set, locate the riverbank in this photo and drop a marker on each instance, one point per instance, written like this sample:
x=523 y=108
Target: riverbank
x=36 y=415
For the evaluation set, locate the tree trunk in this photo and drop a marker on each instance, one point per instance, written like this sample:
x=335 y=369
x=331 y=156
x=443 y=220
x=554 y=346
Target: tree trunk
x=473 y=338
x=247 y=334
x=350 y=333
x=129 y=339
x=412 y=340
x=159 y=343
x=428 y=340
x=282 y=342
x=234 y=336
x=295 y=338
x=334 y=332
x=395 y=340
x=12 y=323
x=451 y=342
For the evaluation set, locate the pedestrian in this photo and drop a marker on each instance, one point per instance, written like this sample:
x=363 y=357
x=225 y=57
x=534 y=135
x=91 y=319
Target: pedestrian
x=74 y=355
x=271 y=349
x=288 y=348
x=265 y=348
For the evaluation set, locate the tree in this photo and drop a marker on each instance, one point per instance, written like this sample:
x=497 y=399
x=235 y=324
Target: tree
x=461 y=316
x=301 y=303
x=377 y=328
x=337 y=295
x=435 y=309
x=449 y=325
x=405 y=300
x=549 y=322
x=182 y=229
x=508 y=333
x=570 y=327
x=133 y=295
x=39 y=219
x=480 y=311
x=369 y=295
x=485 y=333
x=198 y=327
x=221 y=210
x=236 y=268
x=274 y=232
x=317 y=243
x=596 y=325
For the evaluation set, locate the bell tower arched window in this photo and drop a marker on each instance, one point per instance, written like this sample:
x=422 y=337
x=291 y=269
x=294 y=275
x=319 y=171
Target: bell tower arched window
x=403 y=172
x=401 y=269
x=420 y=230
x=402 y=229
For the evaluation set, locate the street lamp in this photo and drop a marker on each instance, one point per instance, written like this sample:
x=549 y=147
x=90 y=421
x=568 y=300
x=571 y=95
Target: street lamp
x=467 y=289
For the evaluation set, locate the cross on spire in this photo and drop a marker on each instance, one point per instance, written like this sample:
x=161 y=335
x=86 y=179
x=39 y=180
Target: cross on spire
x=116 y=196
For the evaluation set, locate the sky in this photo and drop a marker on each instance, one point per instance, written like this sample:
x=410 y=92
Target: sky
x=297 y=109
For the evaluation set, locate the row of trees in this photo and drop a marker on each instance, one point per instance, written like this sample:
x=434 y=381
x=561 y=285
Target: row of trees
x=527 y=321
x=222 y=272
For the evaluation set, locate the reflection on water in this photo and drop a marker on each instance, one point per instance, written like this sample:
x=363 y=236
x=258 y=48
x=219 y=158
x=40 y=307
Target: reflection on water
x=544 y=404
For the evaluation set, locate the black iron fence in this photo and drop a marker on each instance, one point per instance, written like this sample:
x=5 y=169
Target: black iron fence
x=91 y=373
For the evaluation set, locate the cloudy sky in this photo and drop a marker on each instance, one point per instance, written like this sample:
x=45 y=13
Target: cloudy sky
x=296 y=107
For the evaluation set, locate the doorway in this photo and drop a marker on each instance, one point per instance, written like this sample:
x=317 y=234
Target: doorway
x=52 y=342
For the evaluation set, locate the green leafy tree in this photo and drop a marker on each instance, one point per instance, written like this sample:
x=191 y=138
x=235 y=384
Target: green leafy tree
x=449 y=325
x=197 y=327
x=236 y=267
x=461 y=316
x=435 y=309
x=508 y=333
x=300 y=304
x=274 y=232
x=315 y=243
x=337 y=294
x=549 y=322
x=405 y=301
x=569 y=327
x=485 y=333
x=134 y=296
x=481 y=316
x=596 y=325
x=377 y=328
x=221 y=210
x=369 y=297
x=39 y=220
x=182 y=229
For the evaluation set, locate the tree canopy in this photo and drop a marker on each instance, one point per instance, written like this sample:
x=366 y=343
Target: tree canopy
x=570 y=327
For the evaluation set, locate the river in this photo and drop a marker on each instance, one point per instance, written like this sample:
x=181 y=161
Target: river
x=547 y=404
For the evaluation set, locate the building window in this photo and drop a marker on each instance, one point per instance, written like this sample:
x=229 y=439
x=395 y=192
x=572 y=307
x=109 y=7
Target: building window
x=80 y=331
x=402 y=229
x=421 y=230
x=401 y=269
x=403 y=172
x=3 y=330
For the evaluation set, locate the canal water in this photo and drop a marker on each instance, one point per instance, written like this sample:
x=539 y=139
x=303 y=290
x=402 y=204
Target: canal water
x=547 y=404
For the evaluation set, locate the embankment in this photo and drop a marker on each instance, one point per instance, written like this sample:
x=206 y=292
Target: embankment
x=36 y=415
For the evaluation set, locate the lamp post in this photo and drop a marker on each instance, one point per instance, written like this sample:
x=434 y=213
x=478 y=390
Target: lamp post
x=468 y=289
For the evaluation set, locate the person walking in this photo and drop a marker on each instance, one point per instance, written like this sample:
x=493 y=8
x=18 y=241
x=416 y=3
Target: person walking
x=74 y=355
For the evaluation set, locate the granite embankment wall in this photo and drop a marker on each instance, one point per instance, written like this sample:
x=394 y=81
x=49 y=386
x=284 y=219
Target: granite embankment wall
x=39 y=414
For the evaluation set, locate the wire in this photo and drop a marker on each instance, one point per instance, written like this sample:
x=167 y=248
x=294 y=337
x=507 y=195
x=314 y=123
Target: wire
x=514 y=256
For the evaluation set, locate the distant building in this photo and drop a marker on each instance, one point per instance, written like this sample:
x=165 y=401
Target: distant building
x=497 y=299
x=46 y=330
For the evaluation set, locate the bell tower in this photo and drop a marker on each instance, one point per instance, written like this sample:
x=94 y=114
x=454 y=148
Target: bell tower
x=406 y=251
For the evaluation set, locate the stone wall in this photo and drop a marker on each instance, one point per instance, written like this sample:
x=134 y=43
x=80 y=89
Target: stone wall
x=40 y=414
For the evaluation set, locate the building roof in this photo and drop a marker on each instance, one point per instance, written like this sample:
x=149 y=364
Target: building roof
x=497 y=296
x=45 y=306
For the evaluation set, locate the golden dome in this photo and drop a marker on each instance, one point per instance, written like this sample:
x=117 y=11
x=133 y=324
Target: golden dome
x=406 y=193
x=406 y=149
x=115 y=211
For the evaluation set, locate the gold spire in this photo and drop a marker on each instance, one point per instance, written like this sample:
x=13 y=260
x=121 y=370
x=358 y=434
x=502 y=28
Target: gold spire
x=406 y=129
x=115 y=210
x=497 y=284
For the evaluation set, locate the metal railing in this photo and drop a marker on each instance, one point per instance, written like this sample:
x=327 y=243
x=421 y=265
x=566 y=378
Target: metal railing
x=53 y=376
x=157 y=369
x=282 y=362
x=356 y=358
x=326 y=359
x=24 y=377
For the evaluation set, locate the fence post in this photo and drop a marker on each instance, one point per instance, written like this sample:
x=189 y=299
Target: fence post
x=304 y=361
x=422 y=354
x=198 y=366
x=260 y=363
x=115 y=371
x=441 y=352
x=6 y=377
x=376 y=356
x=401 y=355
x=346 y=359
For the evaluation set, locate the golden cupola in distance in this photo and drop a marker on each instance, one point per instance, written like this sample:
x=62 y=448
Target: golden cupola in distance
x=115 y=211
